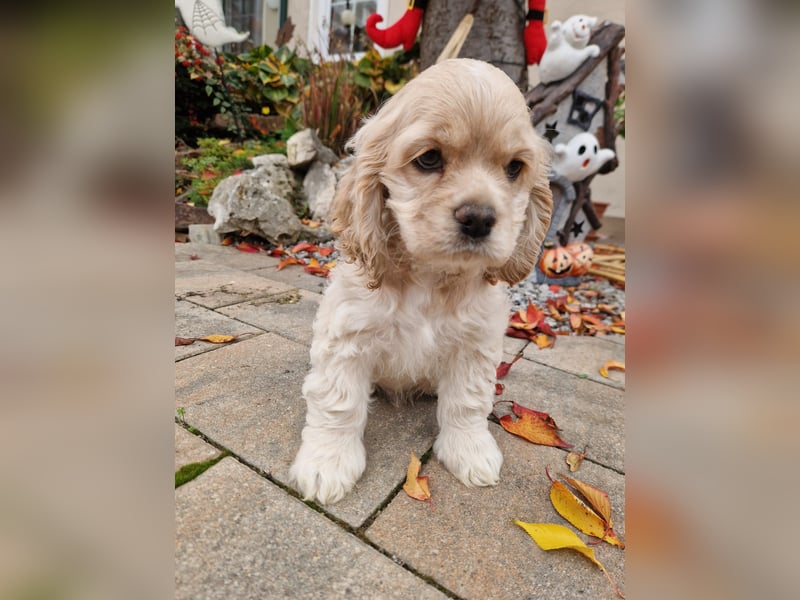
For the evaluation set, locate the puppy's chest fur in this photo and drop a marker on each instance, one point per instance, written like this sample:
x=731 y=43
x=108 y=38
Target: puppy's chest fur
x=409 y=337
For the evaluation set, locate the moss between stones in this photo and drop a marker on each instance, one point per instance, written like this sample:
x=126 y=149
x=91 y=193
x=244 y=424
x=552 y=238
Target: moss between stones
x=188 y=472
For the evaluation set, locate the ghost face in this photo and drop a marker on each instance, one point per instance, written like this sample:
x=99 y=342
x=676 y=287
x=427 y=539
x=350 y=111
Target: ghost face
x=578 y=30
x=580 y=157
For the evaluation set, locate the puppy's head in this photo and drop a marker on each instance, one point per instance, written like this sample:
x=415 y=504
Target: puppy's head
x=449 y=175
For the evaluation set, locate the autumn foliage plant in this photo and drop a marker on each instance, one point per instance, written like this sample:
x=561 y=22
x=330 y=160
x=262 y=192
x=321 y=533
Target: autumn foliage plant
x=330 y=96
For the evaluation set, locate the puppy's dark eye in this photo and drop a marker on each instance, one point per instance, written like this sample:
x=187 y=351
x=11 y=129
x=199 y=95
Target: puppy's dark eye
x=514 y=168
x=581 y=150
x=430 y=161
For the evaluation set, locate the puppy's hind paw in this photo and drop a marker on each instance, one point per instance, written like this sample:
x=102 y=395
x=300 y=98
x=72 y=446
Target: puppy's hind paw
x=472 y=456
x=326 y=469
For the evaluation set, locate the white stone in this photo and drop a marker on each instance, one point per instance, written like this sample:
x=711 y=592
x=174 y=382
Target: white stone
x=319 y=186
x=304 y=147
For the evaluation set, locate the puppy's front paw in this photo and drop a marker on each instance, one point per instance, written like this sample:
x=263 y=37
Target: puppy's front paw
x=594 y=50
x=328 y=464
x=472 y=456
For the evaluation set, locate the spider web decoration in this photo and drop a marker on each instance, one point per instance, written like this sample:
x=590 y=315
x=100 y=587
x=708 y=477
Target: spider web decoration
x=205 y=18
x=584 y=108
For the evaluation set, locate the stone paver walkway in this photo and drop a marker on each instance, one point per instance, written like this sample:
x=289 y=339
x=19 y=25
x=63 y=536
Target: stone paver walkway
x=243 y=533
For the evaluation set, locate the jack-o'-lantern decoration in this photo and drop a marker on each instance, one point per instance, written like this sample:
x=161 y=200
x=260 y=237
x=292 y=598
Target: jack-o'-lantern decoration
x=555 y=261
x=582 y=255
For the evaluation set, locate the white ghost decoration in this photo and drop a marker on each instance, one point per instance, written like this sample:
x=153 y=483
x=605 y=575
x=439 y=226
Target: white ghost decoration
x=206 y=22
x=567 y=48
x=580 y=157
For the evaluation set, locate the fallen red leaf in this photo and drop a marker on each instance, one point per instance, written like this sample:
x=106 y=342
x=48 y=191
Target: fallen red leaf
x=546 y=329
x=303 y=247
x=181 y=341
x=327 y=251
x=498 y=388
x=227 y=241
x=277 y=252
x=516 y=333
x=246 y=247
x=290 y=261
x=193 y=257
x=503 y=368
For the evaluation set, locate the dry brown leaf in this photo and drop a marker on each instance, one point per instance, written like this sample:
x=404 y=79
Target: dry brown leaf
x=574 y=460
x=415 y=486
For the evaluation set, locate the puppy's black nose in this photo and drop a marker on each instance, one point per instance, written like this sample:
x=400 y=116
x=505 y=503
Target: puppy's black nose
x=476 y=220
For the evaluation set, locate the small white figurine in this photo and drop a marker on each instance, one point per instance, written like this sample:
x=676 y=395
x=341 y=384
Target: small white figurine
x=580 y=157
x=206 y=22
x=567 y=48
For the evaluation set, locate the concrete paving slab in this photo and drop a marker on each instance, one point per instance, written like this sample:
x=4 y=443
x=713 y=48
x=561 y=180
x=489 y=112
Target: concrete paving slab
x=247 y=398
x=240 y=536
x=512 y=345
x=290 y=315
x=211 y=285
x=582 y=355
x=296 y=277
x=587 y=412
x=468 y=544
x=224 y=255
x=190 y=448
x=193 y=321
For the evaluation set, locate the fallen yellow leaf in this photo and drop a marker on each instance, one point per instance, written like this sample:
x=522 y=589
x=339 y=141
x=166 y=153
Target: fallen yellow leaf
x=597 y=498
x=416 y=486
x=611 y=364
x=217 y=338
x=542 y=341
x=549 y=536
x=581 y=515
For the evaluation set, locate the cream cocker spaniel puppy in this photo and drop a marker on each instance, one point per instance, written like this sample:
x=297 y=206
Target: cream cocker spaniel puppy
x=448 y=196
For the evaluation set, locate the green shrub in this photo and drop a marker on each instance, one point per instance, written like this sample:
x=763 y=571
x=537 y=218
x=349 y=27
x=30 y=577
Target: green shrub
x=220 y=159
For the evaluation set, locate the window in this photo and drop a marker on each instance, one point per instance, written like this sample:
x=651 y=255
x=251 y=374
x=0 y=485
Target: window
x=244 y=15
x=336 y=37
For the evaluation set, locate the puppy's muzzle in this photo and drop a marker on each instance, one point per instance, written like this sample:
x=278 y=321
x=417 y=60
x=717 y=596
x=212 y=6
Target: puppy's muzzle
x=476 y=220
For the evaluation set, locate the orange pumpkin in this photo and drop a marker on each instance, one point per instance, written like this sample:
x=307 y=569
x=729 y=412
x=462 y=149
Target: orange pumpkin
x=555 y=262
x=582 y=255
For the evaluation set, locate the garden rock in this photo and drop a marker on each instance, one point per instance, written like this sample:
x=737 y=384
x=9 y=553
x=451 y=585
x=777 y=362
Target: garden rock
x=270 y=160
x=257 y=201
x=340 y=168
x=319 y=187
x=304 y=147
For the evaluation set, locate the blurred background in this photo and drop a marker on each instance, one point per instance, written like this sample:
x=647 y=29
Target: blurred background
x=711 y=207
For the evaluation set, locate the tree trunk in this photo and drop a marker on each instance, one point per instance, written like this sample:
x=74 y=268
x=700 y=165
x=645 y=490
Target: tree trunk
x=496 y=34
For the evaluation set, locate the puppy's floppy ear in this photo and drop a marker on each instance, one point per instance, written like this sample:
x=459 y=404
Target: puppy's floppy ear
x=537 y=221
x=358 y=214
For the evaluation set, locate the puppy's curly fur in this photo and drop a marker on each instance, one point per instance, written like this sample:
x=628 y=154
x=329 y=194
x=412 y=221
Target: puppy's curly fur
x=447 y=196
